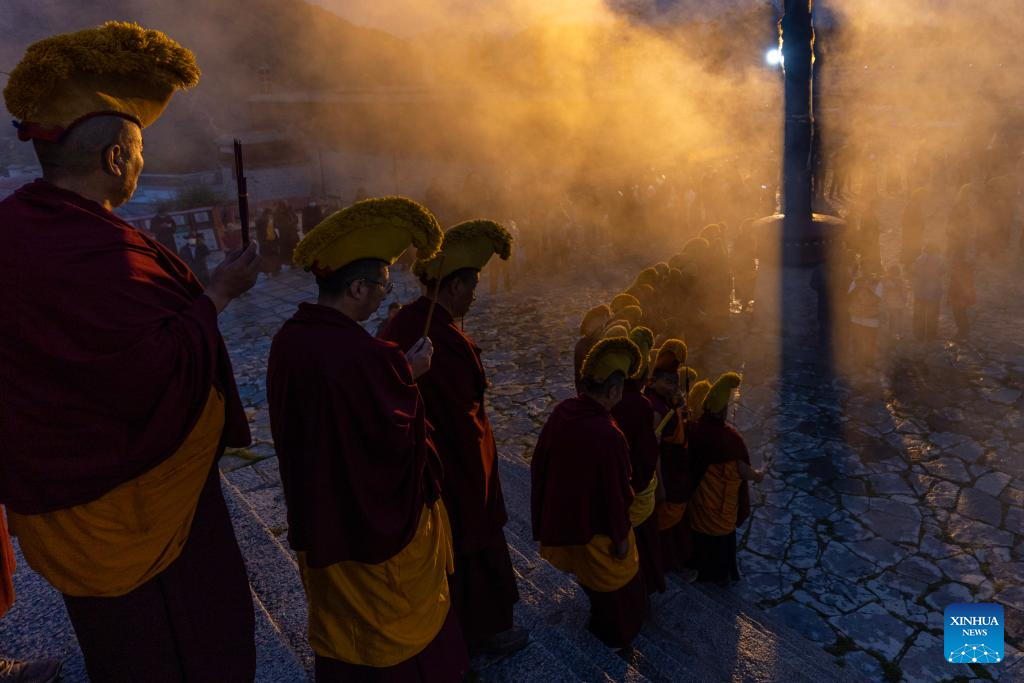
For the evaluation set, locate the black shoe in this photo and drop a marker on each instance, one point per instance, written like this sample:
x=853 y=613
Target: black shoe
x=38 y=671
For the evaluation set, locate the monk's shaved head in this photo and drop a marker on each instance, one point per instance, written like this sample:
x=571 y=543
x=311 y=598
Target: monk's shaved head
x=80 y=151
x=99 y=158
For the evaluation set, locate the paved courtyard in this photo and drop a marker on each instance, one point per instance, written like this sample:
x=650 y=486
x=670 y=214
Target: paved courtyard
x=888 y=496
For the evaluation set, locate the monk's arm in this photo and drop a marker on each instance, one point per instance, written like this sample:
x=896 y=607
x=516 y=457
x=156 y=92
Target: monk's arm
x=748 y=473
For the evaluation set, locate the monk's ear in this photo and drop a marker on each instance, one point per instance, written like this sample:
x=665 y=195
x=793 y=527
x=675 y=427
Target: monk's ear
x=113 y=160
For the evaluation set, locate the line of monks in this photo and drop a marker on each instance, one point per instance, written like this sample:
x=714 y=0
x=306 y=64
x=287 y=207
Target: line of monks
x=119 y=399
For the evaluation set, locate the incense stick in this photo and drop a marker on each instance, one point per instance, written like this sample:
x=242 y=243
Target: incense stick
x=433 y=300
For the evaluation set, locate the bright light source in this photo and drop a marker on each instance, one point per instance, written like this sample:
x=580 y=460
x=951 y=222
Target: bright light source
x=774 y=57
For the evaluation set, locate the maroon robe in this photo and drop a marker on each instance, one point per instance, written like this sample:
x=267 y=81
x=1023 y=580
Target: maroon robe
x=106 y=363
x=678 y=483
x=357 y=465
x=635 y=418
x=107 y=356
x=580 y=475
x=580 y=487
x=350 y=432
x=483 y=586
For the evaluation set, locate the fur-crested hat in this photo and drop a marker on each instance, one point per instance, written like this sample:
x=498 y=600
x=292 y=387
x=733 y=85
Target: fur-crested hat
x=381 y=228
x=644 y=340
x=617 y=328
x=647 y=276
x=631 y=314
x=611 y=355
x=597 y=317
x=467 y=245
x=718 y=397
x=622 y=300
x=662 y=269
x=118 y=69
x=670 y=356
x=687 y=376
x=695 y=399
x=642 y=293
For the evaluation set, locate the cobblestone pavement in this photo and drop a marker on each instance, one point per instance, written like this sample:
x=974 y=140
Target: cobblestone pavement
x=887 y=497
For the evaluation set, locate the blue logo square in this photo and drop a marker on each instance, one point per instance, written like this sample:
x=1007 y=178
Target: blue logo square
x=973 y=633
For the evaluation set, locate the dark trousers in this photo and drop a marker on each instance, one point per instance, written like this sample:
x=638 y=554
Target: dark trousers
x=616 y=617
x=192 y=622
x=444 y=660
x=483 y=590
x=926 y=319
x=648 y=546
x=714 y=557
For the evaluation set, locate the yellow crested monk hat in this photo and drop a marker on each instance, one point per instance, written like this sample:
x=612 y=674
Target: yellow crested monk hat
x=695 y=399
x=611 y=355
x=118 y=69
x=466 y=245
x=381 y=228
x=644 y=340
x=670 y=356
x=721 y=391
x=622 y=301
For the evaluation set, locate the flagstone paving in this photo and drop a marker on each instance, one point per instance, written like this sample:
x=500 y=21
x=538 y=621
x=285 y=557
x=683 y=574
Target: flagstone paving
x=886 y=498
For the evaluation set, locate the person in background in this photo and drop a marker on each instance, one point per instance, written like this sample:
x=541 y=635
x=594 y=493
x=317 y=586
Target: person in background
x=894 y=298
x=266 y=236
x=311 y=217
x=962 y=294
x=929 y=272
x=163 y=228
x=194 y=254
x=865 y=296
x=287 y=225
x=393 y=308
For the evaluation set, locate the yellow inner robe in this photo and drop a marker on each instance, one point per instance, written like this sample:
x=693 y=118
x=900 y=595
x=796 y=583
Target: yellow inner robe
x=714 y=505
x=643 y=503
x=594 y=565
x=383 y=614
x=112 y=545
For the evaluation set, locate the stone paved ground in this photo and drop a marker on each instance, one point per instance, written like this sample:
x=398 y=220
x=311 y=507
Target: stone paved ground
x=889 y=496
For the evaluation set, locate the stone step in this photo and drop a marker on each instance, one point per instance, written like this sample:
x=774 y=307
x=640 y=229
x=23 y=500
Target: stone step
x=274 y=578
x=673 y=645
x=38 y=627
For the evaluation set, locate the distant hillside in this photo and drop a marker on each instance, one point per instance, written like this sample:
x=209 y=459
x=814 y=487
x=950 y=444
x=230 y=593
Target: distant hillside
x=285 y=45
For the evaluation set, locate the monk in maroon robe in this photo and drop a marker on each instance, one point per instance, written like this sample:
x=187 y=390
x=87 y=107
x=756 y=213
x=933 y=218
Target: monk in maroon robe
x=111 y=361
x=361 y=477
x=580 y=499
x=635 y=417
x=483 y=586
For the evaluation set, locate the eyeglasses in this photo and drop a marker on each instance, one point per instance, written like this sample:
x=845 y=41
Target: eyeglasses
x=386 y=286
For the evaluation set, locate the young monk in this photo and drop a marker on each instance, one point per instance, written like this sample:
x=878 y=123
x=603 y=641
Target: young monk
x=361 y=479
x=635 y=417
x=721 y=501
x=483 y=587
x=675 y=477
x=581 y=496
